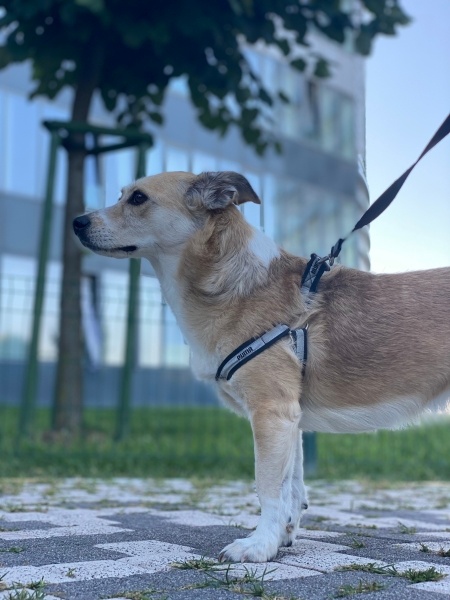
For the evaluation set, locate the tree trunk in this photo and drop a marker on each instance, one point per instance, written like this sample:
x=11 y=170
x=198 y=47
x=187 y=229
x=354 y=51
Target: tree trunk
x=68 y=393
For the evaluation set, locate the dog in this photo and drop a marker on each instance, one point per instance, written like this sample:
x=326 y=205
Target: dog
x=378 y=345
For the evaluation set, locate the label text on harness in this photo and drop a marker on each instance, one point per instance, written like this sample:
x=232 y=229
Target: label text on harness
x=244 y=353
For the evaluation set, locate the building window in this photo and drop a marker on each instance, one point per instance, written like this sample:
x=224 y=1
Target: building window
x=176 y=159
x=3 y=148
x=16 y=305
x=203 y=162
x=252 y=211
x=290 y=116
x=113 y=303
x=52 y=112
x=150 y=327
x=331 y=120
x=16 y=308
x=155 y=159
x=175 y=352
x=21 y=140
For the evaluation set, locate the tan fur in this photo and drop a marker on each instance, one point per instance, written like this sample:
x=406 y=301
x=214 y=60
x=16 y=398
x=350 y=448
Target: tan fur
x=379 y=345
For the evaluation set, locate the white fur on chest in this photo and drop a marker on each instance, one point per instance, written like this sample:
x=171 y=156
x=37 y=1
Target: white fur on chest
x=203 y=364
x=263 y=248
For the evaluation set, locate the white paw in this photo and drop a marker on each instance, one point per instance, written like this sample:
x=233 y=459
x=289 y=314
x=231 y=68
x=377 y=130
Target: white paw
x=292 y=526
x=289 y=534
x=252 y=549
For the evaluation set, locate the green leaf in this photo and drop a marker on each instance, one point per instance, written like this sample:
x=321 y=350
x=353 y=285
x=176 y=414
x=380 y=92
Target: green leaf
x=156 y=117
x=96 y=6
x=363 y=42
x=299 y=64
x=322 y=68
x=284 y=46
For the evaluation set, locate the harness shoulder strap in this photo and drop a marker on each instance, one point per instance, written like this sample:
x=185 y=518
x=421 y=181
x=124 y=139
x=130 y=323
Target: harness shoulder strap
x=255 y=346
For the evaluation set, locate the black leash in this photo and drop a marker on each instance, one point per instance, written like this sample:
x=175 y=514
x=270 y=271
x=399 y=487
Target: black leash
x=317 y=265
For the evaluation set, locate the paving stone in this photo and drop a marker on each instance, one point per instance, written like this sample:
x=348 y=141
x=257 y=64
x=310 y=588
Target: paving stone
x=93 y=539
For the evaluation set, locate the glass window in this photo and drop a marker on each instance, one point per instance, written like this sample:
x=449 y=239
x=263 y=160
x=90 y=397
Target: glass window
x=94 y=190
x=290 y=115
x=119 y=170
x=18 y=277
x=253 y=57
x=113 y=303
x=347 y=141
x=111 y=182
x=16 y=305
x=224 y=164
x=289 y=225
x=92 y=331
x=175 y=351
x=126 y=166
x=270 y=73
x=177 y=159
x=3 y=149
x=150 y=330
x=111 y=185
x=329 y=119
x=48 y=342
x=269 y=212
x=21 y=141
x=252 y=211
x=155 y=159
x=203 y=162
x=312 y=128
x=51 y=111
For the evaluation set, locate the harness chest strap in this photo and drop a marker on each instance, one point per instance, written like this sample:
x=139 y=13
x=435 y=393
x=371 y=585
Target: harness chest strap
x=255 y=346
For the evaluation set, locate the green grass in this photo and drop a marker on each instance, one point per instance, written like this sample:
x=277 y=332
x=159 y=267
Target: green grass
x=361 y=588
x=162 y=442
x=413 y=575
x=210 y=442
x=413 y=454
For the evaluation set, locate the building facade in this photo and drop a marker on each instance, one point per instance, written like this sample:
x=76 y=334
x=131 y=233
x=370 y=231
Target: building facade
x=312 y=194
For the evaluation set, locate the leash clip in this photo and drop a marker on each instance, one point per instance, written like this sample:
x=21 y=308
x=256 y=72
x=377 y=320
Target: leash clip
x=314 y=270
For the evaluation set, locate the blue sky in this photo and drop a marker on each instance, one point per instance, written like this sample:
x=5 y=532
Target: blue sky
x=408 y=97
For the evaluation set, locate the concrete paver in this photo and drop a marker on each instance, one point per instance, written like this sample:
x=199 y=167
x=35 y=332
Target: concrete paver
x=139 y=539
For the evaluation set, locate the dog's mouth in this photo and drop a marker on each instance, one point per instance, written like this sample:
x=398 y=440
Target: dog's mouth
x=125 y=249
x=100 y=250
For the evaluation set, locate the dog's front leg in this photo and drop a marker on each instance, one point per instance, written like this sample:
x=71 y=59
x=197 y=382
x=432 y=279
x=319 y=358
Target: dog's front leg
x=299 y=498
x=275 y=432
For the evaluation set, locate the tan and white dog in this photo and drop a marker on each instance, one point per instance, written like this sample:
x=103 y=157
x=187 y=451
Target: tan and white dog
x=379 y=345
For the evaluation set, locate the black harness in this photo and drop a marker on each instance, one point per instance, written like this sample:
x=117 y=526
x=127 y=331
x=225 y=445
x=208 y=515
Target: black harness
x=314 y=270
x=255 y=346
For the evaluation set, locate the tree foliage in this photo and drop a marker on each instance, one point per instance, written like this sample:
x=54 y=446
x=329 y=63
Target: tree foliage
x=128 y=52
x=137 y=47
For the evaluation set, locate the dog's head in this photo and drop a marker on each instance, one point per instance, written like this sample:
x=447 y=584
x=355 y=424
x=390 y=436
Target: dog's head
x=160 y=213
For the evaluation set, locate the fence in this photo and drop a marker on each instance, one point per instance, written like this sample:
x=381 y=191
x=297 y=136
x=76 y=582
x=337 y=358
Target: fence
x=177 y=426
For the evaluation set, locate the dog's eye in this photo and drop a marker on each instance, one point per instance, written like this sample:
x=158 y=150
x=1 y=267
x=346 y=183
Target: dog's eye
x=137 y=198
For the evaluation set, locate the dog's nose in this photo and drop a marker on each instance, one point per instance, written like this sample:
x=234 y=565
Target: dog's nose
x=81 y=223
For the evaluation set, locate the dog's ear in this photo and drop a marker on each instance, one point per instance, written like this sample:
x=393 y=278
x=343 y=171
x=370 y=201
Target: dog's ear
x=217 y=190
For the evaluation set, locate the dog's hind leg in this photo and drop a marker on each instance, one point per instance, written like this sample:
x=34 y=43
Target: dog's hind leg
x=275 y=432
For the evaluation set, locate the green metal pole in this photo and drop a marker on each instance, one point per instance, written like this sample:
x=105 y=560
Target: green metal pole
x=310 y=452
x=123 y=412
x=28 y=401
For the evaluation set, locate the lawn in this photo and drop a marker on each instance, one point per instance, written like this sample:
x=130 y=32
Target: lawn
x=211 y=442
